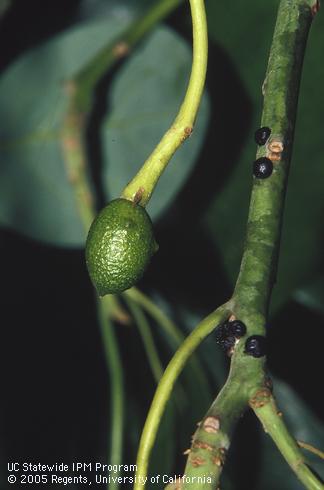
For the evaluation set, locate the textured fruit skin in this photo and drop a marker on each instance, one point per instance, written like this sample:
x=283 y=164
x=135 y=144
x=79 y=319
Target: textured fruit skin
x=119 y=246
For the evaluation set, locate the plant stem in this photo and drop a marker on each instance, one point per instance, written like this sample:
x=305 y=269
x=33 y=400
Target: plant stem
x=115 y=369
x=211 y=440
x=171 y=330
x=146 y=179
x=265 y=408
x=280 y=89
x=166 y=384
x=147 y=338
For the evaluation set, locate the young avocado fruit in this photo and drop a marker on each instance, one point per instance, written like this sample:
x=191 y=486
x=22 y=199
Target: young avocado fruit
x=119 y=246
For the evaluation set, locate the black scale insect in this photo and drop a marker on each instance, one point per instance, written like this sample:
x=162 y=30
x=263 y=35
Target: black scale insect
x=255 y=346
x=262 y=168
x=228 y=332
x=262 y=135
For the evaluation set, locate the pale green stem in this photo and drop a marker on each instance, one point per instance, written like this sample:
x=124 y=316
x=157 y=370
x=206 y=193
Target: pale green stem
x=147 y=338
x=171 y=330
x=116 y=389
x=166 y=384
x=274 y=425
x=142 y=185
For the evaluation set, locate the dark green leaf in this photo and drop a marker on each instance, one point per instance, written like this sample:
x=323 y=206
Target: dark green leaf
x=144 y=100
x=312 y=295
x=123 y=10
x=36 y=198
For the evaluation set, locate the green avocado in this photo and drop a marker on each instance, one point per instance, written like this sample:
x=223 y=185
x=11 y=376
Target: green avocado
x=119 y=246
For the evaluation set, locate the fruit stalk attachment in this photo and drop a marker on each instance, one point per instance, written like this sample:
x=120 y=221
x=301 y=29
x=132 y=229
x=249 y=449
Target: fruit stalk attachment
x=142 y=185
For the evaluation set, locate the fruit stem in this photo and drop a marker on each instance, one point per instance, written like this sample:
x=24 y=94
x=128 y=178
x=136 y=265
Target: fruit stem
x=79 y=92
x=182 y=127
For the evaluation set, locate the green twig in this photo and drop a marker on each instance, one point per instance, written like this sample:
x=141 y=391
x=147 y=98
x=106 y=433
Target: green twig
x=171 y=330
x=311 y=449
x=145 y=180
x=211 y=440
x=166 y=384
x=265 y=408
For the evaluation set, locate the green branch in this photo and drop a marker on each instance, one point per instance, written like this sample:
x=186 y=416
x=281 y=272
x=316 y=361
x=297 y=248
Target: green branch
x=144 y=182
x=265 y=408
x=280 y=90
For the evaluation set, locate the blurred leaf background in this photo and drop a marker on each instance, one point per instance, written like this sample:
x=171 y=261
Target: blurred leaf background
x=56 y=389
